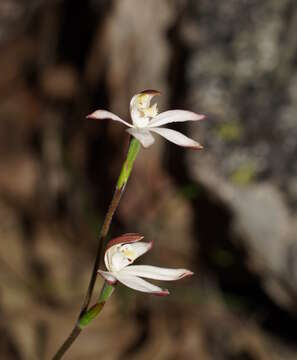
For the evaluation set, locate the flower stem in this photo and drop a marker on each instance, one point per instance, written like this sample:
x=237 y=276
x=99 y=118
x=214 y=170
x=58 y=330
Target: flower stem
x=94 y=310
x=87 y=317
x=120 y=187
x=128 y=164
x=105 y=227
x=67 y=343
x=87 y=314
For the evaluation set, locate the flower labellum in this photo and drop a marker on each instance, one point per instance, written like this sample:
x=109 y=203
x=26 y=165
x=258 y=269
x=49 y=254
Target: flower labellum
x=145 y=120
x=121 y=253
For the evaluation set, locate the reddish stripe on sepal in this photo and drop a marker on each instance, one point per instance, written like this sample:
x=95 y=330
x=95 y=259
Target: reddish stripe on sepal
x=150 y=92
x=124 y=239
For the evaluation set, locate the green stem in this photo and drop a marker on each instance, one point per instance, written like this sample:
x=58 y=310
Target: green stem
x=95 y=310
x=88 y=314
x=128 y=164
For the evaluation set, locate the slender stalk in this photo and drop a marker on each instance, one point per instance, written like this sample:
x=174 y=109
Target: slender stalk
x=90 y=315
x=87 y=314
x=68 y=342
x=120 y=187
x=105 y=227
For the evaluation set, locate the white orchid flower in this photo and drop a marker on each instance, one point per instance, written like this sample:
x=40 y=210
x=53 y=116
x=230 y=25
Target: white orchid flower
x=121 y=253
x=145 y=120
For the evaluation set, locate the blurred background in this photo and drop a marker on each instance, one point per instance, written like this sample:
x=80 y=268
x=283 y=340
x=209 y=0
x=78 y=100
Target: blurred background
x=228 y=212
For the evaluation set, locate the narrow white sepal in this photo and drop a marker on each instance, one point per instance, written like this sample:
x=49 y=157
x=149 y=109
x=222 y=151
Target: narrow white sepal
x=107 y=276
x=140 y=248
x=177 y=138
x=104 y=114
x=155 y=272
x=171 y=116
x=139 y=284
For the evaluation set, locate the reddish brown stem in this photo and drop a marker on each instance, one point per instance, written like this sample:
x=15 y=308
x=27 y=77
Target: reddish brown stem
x=104 y=231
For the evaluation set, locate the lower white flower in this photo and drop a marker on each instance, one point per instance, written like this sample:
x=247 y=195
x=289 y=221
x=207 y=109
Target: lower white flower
x=145 y=120
x=121 y=253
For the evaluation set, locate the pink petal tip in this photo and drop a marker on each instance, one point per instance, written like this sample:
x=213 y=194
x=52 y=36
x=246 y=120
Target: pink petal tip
x=199 y=147
x=110 y=282
x=151 y=243
x=106 y=278
x=90 y=116
x=187 y=273
x=164 y=292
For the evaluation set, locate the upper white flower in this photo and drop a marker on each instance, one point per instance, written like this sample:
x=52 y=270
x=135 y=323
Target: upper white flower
x=121 y=253
x=145 y=119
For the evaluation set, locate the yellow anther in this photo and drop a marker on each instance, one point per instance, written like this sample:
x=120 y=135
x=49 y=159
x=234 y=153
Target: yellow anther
x=129 y=254
x=143 y=101
x=151 y=111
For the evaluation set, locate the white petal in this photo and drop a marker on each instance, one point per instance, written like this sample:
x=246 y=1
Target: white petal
x=115 y=257
x=139 y=284
x=107 y=276
x=121 y=255
x=104 y=114
x=140 y=248
x=142 y=100
x=116 y=260
x=144 y=136
x=177 y=138
x=156 y=273
x=140 y=108
x=171 y=116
